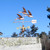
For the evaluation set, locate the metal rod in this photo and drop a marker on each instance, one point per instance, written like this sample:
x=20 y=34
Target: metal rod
x=33 y=21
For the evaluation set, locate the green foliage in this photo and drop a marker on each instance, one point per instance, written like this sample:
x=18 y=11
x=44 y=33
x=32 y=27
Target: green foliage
x=48 y=9
x=1 y=33
x=14 y=35
x=42 y=33
x=33 y=30
x=48 y=16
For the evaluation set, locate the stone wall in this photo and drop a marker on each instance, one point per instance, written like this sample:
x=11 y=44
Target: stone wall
x=27 y=43
x=19 y=41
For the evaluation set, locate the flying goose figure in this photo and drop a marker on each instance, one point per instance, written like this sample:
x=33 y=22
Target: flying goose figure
x=20 y=17
x=29 y=15
x=24 y=11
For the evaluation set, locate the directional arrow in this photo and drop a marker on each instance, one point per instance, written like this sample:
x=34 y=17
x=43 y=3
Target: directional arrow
x=33 y=21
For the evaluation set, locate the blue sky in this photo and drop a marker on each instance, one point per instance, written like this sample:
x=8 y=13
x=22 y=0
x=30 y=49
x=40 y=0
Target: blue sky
x=9 y=9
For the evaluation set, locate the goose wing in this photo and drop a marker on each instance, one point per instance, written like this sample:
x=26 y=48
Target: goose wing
x=29 y=12
x=24 y=9
x=19 y=15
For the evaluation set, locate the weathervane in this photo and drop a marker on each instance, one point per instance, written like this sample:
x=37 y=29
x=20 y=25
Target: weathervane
x=22 y=18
